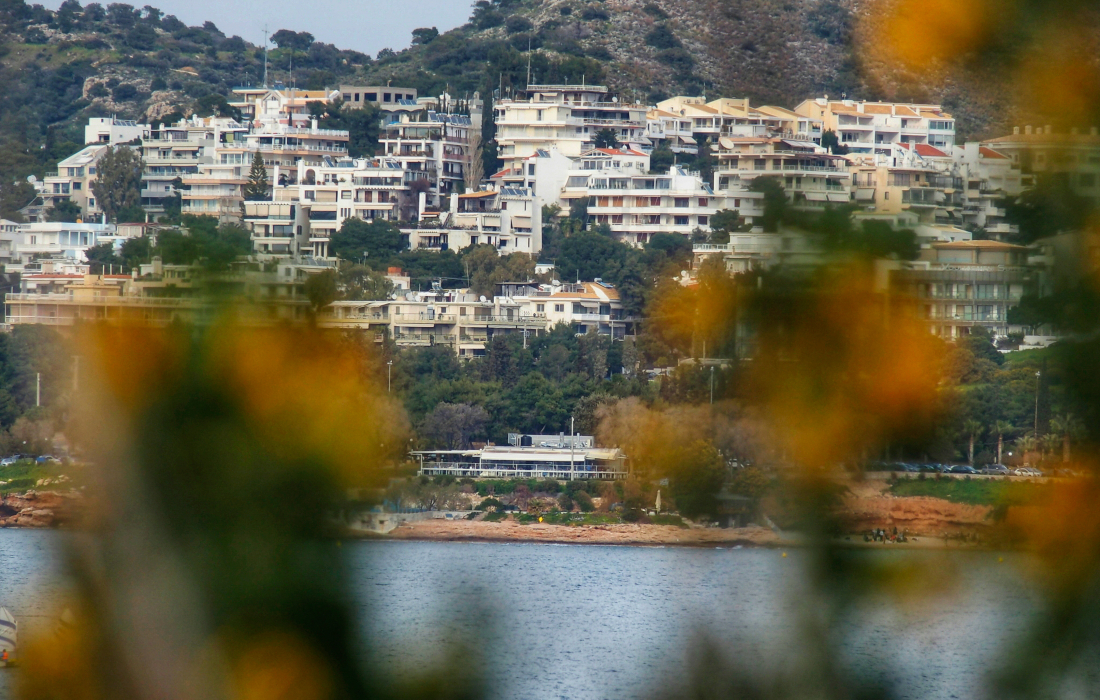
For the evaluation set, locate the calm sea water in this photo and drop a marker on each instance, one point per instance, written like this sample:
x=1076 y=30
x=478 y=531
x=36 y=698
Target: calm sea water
x=589 y=623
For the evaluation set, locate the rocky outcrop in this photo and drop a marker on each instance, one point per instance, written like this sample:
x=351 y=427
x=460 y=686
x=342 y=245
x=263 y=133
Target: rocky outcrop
x=40 y=508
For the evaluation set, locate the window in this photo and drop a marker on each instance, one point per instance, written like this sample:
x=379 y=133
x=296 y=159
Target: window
x=703 y=220
x=347 y=97
x=91 y=202
x=357 y=97
x=540 y=308
x=703 y=201
x=681 y=202
x=387 y=97
x=560 y=308
x=78 y=185
x=531 y=169
x=370 y=96
x=681 y=220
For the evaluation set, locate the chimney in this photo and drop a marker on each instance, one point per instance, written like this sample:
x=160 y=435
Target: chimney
x=1016 y=130
x=859 y=107
x=1027 y=130
x=1046 y=129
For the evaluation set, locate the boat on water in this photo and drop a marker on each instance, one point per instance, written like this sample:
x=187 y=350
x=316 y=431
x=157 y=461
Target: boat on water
x=9 y=631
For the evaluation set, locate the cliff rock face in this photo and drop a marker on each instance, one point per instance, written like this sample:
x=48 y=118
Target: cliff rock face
x=40 y=508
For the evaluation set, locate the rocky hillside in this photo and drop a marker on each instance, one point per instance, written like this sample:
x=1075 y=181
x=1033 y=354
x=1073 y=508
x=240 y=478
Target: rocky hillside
x=59 y=68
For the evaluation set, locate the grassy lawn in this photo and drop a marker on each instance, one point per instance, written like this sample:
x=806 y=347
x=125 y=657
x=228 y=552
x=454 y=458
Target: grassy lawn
x=976 y=492
x=23 y=476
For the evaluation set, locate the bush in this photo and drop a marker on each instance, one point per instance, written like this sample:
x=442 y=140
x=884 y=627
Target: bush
x=677 y=58
x=661 y=37
x=584 y=502
x=565 y=503
x=124 y=92
x=653 y=10
x=489 y=503
x=548 y=486
x=593 y=14
x=516 y=24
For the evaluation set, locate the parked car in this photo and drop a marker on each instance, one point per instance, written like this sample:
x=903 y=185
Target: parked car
x=47 y=459
x=963 y=469
x=905 y=467
x=8 y=461
x=1027 y=471
x=995 y=470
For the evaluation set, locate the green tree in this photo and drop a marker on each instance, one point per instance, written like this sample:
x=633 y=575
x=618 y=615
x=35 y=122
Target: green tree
x=321 y=290
x=257 y=189
x=697 y=476
x=136 y=251
x=100 y=256
x=118 y=181
x=1069 y=427
x=661 y=159
x=723 y=223
x=378 y=240
x=775 y=201
x=360 y=283
x=66 y=210
x=606 y=138
x=829 y=140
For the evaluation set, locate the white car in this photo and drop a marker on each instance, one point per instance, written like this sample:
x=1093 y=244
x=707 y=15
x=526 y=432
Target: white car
x=8 y=461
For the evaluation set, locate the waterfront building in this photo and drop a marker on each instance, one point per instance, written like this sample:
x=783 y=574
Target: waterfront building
x=550 y=461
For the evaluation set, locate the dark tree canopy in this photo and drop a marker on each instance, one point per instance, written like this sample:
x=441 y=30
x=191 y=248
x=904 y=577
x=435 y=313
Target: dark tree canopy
x=377 y=240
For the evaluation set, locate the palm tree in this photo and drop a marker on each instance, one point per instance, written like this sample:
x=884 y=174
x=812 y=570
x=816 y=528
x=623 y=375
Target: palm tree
x=1001 y=427
x=1050 y=443
x=972 y=428
x=1069 y=427
x=1026 y=444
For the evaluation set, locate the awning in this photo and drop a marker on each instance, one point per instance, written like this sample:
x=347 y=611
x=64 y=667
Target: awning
x=865 y=194
x=839 y=197
x=687 y=139
x=801 y=144
x=816 y=196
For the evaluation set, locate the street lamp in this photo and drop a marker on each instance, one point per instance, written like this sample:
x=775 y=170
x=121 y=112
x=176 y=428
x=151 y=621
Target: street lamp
x=389 y=377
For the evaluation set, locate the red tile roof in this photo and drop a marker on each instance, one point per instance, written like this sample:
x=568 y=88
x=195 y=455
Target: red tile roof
x=990 y=153
x=924 y=149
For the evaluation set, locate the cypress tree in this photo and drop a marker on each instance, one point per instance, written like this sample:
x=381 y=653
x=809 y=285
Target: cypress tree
x=257 y=190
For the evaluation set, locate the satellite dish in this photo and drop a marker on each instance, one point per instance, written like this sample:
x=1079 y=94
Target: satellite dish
x=32 y=179
x=614 y=99
x=483 y=297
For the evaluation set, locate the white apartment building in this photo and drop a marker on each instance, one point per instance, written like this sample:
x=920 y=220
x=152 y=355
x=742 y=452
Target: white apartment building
x=56 y=240
x=1073 y=156
x=990 y=176
x=586 y=307
x=73 y=181
x=811 y=177
x=433 y=148
x=170 y=152
x=544 y=173
x=867 y=127
x=109 y=131
x=917 y=178
x=278 y=104
x=9 y=236
x=508 y=218
x=667 y=128
x=638 y=205
x=566 y=117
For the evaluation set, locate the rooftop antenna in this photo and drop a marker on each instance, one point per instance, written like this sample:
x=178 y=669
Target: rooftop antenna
x=265 y=56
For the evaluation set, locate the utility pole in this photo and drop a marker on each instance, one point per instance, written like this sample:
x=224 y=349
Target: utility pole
x=389 y=377
x=1037 y=383
x=265 y=57
x=38 y=389
x=712 y=385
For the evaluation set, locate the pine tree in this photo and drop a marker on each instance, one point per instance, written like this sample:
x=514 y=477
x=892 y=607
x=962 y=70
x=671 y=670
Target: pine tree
x=257 y=189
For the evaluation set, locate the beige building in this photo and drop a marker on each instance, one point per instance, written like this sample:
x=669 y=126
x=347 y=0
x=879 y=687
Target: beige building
x=1073 y=157
x=868 y=127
